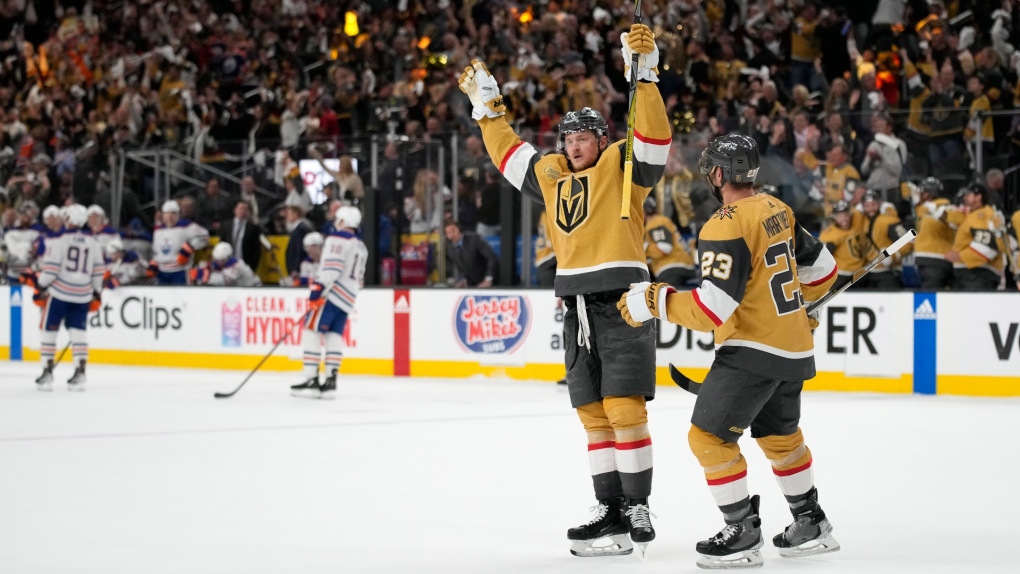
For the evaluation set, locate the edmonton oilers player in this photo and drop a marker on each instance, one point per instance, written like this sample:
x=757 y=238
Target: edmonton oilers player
x=174 y=244
x=331 y=300
x=70 y=283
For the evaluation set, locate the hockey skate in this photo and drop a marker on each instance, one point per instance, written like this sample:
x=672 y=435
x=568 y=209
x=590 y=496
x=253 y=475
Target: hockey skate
x=45 y=381
x=606 y=534
x=327 y=390
x=639 y=523
x=809 y=534
x=306 y=390
x=76 y=384
x=736 y=546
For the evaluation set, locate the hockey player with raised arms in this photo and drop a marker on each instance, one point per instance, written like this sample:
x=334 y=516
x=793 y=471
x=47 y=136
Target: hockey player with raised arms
x=610 y=367
x=758 y=266
x=174 y=244
x=331 y=301
x=71 y=282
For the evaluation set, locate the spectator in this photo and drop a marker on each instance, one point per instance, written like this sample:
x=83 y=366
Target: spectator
x=884 y=160
x=243 y=234
x=488 y=203
x=212 y=207
x=424 y=209
x=471 y=258
x=842 y=182
x=249 y=195
x=297 y=228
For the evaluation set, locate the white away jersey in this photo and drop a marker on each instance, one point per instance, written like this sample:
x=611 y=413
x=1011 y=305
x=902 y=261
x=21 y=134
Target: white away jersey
x=21 y=245
x=73 y=267
x=307 y=273
x=105 y=236
x=342 y=269
x=168 y=241
x=233 y=273
x=128 y=271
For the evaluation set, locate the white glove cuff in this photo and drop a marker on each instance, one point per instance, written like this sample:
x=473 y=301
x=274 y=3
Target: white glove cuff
x=478 y=112
x=636 y=304
x=661 y=306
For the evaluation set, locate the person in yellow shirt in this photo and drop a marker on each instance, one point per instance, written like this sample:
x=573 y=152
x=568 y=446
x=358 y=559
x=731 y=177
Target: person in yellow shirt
x=668 y=258
x=805 y=47
x=842 y=180
x=610 y=367
x=937 y=220
x=882 y=228
x=978 y=249
x=758 y=268
x=977 y=125
x=846 y=240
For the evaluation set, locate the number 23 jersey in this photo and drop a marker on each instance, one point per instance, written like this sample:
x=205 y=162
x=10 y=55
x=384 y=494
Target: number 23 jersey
x=758 y=266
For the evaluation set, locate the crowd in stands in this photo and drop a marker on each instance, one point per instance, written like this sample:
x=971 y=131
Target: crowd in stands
x=843 y=98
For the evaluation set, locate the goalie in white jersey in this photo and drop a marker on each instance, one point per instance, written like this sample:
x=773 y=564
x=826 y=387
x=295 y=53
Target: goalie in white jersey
x=174 y=245
x=70 y=282
x=331 y=300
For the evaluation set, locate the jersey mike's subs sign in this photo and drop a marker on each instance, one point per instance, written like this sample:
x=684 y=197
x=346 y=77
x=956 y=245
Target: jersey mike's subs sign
x=492 y=323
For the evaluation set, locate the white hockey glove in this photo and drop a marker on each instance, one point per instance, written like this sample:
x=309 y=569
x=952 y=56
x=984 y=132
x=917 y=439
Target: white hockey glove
x=645 y=301
x=640 y=40
x=481 y=88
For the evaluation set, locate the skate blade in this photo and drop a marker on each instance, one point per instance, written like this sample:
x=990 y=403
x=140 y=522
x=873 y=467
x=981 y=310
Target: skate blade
x=305 y=394
x=327 y=395
x=822 y=545
x=44 y=387
x=615 y=545
x=746 y=559
x=76 y=388
x=643 y=548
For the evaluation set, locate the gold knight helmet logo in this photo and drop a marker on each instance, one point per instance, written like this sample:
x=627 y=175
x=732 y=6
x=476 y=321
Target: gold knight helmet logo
x=572 y=199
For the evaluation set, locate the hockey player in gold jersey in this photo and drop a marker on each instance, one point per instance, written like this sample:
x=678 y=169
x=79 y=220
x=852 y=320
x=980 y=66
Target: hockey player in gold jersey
x=978 y=249
x=610 y=367
x=758 y=267
x=882 y=228
x=846 y=240
x=668 y=258
x=935 y=234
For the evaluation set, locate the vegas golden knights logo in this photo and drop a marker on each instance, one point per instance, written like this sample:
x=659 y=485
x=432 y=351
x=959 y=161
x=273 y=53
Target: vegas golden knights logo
x=572 y=198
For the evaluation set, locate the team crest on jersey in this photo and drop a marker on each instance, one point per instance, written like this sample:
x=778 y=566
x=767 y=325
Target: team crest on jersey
x=726 y=211
x=573 y=195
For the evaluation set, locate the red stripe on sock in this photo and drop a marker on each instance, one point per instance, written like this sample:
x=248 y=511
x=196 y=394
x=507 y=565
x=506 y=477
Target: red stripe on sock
x=792 y=470
x=633 y=445
x=600 y=445
x=727 y=479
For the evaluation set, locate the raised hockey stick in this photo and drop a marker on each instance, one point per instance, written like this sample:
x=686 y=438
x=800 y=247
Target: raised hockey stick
x=628 y=159
x=692 y=386
x=264 y=359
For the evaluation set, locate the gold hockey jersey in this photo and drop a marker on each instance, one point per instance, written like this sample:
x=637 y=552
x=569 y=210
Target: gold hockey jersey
x=934 y=234
x=663 y=246
x=849 y=247
x=841 y=183
x=595 y=249
x=882 y=231
x=758 y=267
x=543 y=248
x=976 y=242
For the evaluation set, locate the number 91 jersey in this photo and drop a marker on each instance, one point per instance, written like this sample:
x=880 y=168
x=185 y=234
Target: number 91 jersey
x=73 y=267
x=758 y=267
x=342 y=269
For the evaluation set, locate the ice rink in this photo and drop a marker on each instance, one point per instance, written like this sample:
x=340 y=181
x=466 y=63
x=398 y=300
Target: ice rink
x=147 y=473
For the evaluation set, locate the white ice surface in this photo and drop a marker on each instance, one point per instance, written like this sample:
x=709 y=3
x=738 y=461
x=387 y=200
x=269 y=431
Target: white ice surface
x=147 y=473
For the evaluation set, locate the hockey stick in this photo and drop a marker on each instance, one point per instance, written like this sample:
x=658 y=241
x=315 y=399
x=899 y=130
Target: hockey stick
x=48 y=369
x=264 y=359
x=628 y=163
x=691 y=386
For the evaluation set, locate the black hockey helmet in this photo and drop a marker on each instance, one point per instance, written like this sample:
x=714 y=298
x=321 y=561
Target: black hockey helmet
x=841 y=207
x=933 y=186
x=583 y=120
x=974 y=187
x=651 y=204
x=737 y=156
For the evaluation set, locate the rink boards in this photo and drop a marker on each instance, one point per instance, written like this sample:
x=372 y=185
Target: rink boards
x=885 y=342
